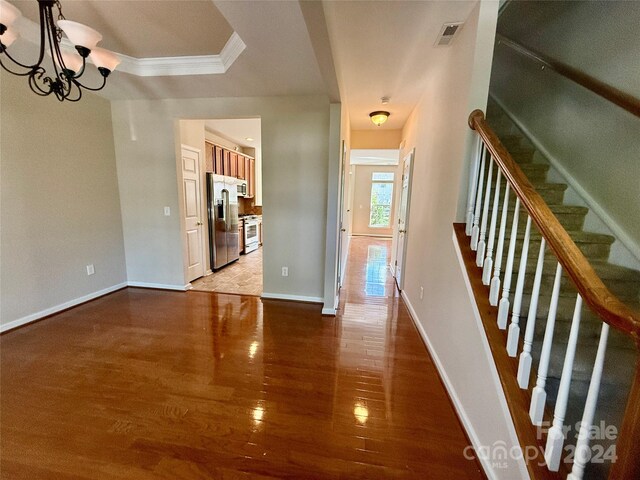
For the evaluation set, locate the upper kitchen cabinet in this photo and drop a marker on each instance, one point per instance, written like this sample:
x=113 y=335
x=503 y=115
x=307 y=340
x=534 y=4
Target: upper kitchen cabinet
x=209 y=154
x=241 y=169
x=227 y=163
x=233 y=171
x=218 y=166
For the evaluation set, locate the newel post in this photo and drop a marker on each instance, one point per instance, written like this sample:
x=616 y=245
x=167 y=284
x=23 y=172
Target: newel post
x=627 y=464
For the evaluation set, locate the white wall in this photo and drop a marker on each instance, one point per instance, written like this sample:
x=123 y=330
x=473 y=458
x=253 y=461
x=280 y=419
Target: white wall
x=362 y=199
x=60 y=204
x=295 y=146
x=439 y=132
x=594 y=141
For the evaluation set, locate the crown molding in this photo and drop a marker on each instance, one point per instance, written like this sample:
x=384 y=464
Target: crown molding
x=159 y=66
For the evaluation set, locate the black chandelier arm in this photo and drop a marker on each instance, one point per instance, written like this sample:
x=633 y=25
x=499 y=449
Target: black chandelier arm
x=35 y=88
x=22 y=65
x=92 y=89
x=19 y=74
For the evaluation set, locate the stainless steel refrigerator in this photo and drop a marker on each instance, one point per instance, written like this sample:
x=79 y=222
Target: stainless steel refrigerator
x=222 y=207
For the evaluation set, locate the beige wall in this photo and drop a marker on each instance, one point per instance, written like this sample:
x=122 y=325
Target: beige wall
x=378 y=138
x=362 y=199
x=295 y=146
x=595 y=142
x=60 y=207
x=438 y=131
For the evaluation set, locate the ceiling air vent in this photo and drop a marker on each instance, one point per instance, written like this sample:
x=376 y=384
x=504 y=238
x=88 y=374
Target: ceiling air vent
x=447 y=33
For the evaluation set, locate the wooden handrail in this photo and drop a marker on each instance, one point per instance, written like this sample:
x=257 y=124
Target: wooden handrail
x=593 y=291
x=620 y=98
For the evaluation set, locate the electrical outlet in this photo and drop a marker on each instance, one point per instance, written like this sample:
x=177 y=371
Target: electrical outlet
x=90 y=269
x=167 y=211
x=285 y=271
x=421 y=293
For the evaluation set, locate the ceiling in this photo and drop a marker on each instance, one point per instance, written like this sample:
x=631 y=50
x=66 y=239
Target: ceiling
x=351 y=51
x=145 y=28
x=237 y=130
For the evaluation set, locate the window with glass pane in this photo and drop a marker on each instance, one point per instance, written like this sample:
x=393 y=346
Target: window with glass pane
x=381 y=196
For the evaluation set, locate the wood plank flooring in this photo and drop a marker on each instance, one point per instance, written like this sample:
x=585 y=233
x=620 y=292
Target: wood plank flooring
x=145 y=384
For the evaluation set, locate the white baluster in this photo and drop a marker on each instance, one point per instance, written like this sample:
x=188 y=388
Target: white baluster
x=524 y=365
x=488 y=262
x=555 y=438
x=485 y=214
x=494 y=290
x=473 y=183
x=514 y=328
x=503 y=307
x=539 y=394
x=583 y=453
x=475 y=230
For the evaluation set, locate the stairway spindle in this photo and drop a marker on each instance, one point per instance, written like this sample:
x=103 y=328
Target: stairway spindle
x=503 y=307
x=582 y=452
x=539 y=394
x=485 y=215
x=514 y=328
x=488 y=261
x=555 y=437
x=475 y=230
x=494 y=290
x=473 y=183
x=524 y=365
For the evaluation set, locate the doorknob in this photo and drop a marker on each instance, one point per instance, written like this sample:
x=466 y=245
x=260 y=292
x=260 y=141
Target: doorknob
x=402 y=231
x=198 y=223
x=343 y=229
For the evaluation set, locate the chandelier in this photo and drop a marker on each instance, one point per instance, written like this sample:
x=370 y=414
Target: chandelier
x=68 y=66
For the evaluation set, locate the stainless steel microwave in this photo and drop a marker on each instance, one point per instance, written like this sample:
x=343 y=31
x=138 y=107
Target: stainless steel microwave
x=242 y=189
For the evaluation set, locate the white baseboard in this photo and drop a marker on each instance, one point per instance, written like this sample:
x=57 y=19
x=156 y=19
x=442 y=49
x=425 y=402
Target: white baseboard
x=58 y=308
x=294 y=298
x=331 y=310
x=160 y=286
x=486 y=463
x=621 y=235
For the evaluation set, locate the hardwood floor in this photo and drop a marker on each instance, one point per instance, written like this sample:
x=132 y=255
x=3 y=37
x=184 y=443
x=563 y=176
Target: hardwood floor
x=242 y=277
x=147 y=384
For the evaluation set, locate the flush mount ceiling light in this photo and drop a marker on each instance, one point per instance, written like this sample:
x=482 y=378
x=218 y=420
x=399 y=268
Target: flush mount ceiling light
x=379 y=117
x=68 y=66
x=249 y=139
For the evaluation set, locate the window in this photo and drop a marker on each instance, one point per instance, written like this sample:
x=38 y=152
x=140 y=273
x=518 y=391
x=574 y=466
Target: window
x=381 y=196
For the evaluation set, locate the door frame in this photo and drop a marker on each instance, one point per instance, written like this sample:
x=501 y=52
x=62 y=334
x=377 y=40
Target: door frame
x=181 y=212
x=342 y=231
x=396 y=233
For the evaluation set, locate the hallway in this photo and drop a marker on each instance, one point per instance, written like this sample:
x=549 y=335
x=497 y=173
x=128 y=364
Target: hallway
x=145 y=384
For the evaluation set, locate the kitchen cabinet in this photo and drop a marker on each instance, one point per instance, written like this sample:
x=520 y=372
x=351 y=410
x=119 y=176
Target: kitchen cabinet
x=251 y=177
x=241 y=240
x=227 y=163
x=218 y=166
x=233 y=172
x=260 y=230
x=209 y=154
x=241 y=170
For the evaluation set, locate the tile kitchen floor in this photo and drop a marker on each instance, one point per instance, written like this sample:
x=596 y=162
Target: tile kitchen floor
x=241 y=277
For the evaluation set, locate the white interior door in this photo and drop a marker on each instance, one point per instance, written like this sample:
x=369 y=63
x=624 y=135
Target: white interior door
x=193 y=213
x=403 y=220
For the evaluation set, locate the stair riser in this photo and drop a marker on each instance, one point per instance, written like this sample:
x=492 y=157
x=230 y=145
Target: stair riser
x=621 y=288
x=571 y=221
x=594 y=251
x=550 y=196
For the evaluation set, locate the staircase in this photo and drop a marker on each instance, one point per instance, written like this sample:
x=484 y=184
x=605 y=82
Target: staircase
x=621 y=353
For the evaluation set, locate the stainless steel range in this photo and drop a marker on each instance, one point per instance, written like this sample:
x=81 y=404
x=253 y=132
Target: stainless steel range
x=251 y=238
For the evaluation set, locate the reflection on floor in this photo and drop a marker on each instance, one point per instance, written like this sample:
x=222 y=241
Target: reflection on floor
x=147 y=384
x=241 y=277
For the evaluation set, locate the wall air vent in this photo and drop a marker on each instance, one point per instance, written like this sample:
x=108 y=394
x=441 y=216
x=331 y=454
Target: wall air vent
x=448 y=33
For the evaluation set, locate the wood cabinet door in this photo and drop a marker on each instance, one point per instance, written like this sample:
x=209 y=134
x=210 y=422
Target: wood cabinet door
x=241 y=160
x=227 y=163
x=247 y=175
x=209 y=154
x=233 y=172
x=218 y=165
x=252 y=182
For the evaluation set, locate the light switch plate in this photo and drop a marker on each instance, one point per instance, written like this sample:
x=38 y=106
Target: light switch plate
x=90 y=269
x=167 y=211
